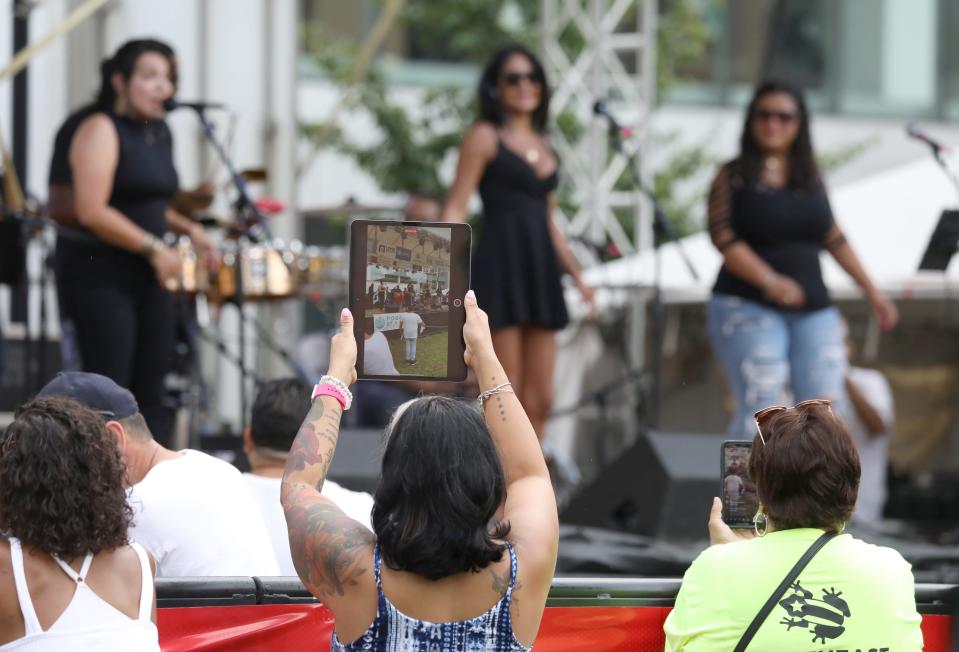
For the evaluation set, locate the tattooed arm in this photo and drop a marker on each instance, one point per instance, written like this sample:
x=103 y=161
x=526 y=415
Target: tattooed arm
x=332 y=553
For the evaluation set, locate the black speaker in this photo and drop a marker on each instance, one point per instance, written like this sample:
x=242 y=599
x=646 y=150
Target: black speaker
x=356 y=464
x=661 y=486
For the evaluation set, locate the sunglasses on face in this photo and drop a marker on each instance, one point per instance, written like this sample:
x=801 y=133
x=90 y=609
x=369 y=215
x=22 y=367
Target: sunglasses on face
x=782 y=117
x=515 y=78
x=763 y=415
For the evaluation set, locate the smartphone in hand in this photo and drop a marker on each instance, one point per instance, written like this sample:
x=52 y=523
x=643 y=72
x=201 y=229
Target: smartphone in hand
x=738 y=492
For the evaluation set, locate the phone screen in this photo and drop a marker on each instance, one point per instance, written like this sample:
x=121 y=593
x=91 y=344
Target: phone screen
x=407 y=284
x=740 y=501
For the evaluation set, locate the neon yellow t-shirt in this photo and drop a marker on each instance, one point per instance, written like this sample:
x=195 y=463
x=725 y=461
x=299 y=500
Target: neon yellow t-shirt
x=853 y=596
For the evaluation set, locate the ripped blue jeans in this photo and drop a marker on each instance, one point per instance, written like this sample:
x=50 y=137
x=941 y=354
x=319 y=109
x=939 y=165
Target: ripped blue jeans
x=765 y=352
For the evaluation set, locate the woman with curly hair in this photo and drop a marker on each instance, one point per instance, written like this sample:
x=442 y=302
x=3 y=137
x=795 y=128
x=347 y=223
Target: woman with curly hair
x=69 y=579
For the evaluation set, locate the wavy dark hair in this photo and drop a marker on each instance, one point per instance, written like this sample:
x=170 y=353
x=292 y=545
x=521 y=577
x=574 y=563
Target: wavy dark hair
x=124 y=61
x=490 y=109
x=803 y=171
x=440 y=485
x=62 y=480
x=807 y=473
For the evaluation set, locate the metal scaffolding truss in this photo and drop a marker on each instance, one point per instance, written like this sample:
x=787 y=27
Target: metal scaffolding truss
x=601 y=49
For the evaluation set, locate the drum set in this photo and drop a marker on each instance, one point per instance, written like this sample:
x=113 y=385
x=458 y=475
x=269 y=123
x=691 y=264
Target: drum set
x=268 y=271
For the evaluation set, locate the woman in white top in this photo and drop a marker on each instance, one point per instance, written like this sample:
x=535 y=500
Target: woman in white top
x=69 y=580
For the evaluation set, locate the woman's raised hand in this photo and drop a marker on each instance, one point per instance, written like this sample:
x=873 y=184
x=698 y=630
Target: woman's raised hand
x=476 y=333
x=343 y=350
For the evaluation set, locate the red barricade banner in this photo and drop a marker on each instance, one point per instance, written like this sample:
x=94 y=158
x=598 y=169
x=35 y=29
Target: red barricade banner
x=564 y=629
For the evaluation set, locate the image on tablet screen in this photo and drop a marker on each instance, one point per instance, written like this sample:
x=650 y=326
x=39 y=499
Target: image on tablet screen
x=406 y=302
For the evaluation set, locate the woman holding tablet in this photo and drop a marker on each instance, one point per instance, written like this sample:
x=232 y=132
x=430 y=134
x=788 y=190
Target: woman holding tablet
x=438 y=572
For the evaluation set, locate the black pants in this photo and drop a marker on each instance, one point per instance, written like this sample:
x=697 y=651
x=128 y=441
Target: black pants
x=125 y=325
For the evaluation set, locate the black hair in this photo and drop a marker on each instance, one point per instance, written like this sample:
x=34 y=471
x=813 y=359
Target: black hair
x=62 y=480
x=440 y=485
x=124 y=61
x=803 y=171
x=278 y=410
x=490 y=109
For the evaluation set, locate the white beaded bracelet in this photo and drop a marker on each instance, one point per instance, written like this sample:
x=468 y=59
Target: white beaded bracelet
x=340 y=385
x=499 y=389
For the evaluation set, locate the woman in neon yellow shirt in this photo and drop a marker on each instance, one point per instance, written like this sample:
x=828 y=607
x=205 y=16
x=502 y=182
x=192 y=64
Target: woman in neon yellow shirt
x=851 y=596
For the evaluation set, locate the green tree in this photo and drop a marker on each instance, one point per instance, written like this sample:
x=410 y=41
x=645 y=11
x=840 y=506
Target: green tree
x=413 y=147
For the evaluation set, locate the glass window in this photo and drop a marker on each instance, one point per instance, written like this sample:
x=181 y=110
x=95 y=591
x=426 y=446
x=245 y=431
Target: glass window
x=860 y=57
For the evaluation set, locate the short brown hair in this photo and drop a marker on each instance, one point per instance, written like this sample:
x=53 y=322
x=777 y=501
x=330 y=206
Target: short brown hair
x=807 y=473
x=61 y=480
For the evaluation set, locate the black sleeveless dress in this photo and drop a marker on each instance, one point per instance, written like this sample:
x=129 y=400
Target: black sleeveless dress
x=122 y=319
x=516 y=274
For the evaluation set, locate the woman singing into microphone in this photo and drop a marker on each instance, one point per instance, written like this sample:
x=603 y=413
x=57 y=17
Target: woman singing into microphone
x=112 y=176
x=521 y=253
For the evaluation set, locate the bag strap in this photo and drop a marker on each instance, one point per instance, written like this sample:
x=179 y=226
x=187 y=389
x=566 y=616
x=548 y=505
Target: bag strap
x=785 y=584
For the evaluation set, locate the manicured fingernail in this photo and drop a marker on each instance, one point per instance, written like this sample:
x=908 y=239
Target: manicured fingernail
x=470 y=294
x=345 y=313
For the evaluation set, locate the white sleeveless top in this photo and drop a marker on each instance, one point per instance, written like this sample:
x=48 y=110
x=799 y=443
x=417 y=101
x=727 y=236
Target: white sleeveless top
x=89 y=622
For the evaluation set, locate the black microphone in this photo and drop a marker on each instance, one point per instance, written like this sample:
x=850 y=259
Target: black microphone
x=600 y=108
x=171 y=104
x=913 y=131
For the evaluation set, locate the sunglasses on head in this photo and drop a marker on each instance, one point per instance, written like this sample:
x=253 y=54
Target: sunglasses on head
x=515 y=78
x=763 y=415
x=783 y=117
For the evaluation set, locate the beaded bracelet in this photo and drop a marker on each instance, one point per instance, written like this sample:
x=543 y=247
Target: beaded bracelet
x=499 y=389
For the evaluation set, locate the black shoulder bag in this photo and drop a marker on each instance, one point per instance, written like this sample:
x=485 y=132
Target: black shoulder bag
x=781 y=589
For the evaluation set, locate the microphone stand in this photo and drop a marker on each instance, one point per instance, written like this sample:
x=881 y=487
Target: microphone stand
x=245 y=212
x=661 y=227
x=949 y=172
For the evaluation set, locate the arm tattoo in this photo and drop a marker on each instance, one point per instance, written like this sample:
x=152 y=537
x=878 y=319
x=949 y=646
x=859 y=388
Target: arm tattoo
x=312 y=450
x=331 y=552
x=501 y=585
x=328 y=548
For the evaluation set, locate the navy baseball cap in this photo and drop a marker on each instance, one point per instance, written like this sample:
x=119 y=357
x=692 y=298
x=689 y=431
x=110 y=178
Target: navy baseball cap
x=97 y=392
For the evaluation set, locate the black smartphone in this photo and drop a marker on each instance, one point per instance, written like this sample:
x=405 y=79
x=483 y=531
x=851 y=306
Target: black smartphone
x=738 y=492
x=407 y=282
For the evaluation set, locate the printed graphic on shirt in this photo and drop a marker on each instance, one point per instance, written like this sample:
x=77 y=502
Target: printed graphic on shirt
x=824 y=618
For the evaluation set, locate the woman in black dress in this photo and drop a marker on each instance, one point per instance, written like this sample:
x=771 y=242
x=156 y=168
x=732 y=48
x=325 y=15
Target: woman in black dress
x=521 y=254
x=112 y=178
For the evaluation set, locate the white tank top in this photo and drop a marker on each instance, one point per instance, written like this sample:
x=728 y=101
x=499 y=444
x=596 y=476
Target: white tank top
x=89 y=622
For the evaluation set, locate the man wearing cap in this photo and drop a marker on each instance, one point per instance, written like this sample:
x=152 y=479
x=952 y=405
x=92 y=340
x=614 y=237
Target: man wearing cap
x=193 y=511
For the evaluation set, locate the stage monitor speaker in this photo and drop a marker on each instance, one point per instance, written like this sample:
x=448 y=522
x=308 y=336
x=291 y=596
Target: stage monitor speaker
x=356 y=463
x=661 y=486
x=359 y=453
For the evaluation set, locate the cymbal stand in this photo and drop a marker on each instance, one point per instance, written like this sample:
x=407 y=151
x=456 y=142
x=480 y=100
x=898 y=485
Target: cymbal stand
x=251 y=222
x=264 y=337
x=661 y=227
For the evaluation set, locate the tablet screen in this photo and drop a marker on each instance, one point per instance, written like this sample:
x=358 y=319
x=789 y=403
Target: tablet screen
x=411 y=299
